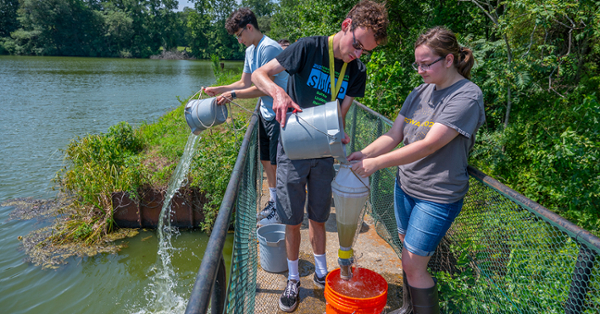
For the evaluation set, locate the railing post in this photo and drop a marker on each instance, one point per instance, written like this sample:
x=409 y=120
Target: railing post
x=580 y=281
x=217 y=302
x=353 y=139
x=377 y=175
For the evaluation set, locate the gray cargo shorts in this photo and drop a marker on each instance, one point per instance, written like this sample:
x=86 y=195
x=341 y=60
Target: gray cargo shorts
x=294 y=179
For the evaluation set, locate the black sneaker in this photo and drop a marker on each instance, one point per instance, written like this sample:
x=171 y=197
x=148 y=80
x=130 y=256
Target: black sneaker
x=290 y=297
x=266 y=211
x=319 y=282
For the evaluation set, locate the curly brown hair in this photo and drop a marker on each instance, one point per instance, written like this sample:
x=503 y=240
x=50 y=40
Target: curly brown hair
x=371 y=15
x=238 y=19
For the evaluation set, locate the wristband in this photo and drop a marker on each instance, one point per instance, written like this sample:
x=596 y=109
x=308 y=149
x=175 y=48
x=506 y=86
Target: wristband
x=233 y=95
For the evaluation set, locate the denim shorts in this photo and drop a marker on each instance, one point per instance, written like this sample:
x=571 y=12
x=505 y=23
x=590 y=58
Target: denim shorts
x=423 y=223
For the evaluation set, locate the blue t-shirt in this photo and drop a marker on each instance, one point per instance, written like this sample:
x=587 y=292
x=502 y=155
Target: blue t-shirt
x=256 y=57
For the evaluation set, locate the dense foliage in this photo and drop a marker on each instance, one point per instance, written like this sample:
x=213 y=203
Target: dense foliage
x=121 y=28
x=537 y=64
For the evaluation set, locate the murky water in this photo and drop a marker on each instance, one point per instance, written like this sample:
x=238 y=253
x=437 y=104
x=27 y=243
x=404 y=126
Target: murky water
x=45 y=102
x=363 y=284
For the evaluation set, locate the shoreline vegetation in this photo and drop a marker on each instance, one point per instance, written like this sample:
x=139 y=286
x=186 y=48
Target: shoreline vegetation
x=537 y=63
x=174 y=54
x=131 y=160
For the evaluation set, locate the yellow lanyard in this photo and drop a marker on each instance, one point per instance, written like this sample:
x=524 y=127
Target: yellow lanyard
x=335 y=89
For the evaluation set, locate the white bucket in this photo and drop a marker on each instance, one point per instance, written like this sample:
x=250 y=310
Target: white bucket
x=201 y=114
x=315 y=132
x=273 y=257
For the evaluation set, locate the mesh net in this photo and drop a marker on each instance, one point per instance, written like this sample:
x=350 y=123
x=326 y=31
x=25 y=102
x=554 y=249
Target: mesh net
x=498 y=256
x=242 y=282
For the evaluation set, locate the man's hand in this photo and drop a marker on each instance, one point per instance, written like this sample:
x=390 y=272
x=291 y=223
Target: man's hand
x=281 y=103
x=346 y=139
x=224 y=98
x=212 y=91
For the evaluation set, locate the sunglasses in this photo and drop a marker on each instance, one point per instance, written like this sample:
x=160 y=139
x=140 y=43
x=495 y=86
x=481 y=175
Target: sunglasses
x=358 y=45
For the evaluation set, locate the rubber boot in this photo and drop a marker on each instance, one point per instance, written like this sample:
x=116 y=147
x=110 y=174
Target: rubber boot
x=406 y=304
x=425 y=301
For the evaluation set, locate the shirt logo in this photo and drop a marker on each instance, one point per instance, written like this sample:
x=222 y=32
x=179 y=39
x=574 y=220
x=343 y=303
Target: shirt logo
x=320 y=79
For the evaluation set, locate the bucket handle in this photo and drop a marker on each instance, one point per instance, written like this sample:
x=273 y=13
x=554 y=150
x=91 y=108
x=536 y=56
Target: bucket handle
x=274 y=244
x=331 y=137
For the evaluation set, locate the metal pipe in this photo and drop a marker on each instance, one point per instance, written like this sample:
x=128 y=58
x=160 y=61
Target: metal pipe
x=201 y=292
x=580 y=281
x=217 y=304
x=373 y=112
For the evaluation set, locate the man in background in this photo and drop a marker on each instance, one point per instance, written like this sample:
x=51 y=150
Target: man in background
x=260 y=50
x=310 y=68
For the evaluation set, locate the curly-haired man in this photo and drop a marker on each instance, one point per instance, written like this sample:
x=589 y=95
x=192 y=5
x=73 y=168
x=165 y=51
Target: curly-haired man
x=307 y=62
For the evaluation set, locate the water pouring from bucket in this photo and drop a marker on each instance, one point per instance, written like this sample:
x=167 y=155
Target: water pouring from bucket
x=350 y=193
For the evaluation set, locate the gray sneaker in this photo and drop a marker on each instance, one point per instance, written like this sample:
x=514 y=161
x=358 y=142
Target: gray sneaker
x=272 y=218
x=266 y=211
x=290 y=297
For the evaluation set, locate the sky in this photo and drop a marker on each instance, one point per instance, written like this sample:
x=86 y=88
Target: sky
x=185 y=3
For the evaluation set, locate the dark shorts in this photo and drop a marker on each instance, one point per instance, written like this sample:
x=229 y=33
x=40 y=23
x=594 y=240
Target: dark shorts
x=294 y=179
x=268 y=137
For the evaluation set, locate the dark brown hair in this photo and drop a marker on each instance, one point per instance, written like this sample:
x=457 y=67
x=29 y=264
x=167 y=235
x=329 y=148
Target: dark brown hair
x=371 y=15
x=238 y=19
x=442 y=42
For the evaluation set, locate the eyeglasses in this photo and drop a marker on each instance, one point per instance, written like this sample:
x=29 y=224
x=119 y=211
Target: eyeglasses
x=425 y=67
x=238 y=35
x=358 y=45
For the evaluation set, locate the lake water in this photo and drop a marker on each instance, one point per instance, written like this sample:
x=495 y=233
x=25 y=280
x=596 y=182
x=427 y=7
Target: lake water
x=44 y=103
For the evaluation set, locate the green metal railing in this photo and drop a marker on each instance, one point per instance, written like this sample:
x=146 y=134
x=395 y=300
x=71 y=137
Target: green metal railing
x=503 y=254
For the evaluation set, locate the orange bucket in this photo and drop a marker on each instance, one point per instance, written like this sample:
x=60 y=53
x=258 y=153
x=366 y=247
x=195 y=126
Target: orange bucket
x=371 y=285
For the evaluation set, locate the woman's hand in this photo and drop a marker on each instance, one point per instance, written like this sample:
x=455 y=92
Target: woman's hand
x=356 y=156
x=365 y=167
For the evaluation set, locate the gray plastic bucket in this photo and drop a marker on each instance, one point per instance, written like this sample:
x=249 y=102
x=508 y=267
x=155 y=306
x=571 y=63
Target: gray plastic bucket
x=201 y=114
x=273 y=257
x=315 y=132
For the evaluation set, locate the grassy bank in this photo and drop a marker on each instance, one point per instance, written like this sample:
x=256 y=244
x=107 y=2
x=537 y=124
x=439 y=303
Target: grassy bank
x=136 y=159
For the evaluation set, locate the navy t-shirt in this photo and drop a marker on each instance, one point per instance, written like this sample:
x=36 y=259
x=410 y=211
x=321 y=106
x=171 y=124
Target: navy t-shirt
x=307 y=62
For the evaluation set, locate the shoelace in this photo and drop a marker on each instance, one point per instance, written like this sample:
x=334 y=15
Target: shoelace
x=289 y=289
x=272 y=214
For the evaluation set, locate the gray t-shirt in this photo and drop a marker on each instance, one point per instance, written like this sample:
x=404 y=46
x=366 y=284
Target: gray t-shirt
x=442 y=176
x=256 y=57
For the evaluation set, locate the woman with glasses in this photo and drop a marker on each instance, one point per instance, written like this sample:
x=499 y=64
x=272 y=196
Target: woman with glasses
x=437 y=125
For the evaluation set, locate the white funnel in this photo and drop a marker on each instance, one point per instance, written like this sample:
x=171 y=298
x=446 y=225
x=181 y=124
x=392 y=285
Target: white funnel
x=350 y=193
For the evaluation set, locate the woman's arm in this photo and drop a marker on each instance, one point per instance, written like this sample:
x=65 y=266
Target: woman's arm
x=384 y=143
x=436 y=138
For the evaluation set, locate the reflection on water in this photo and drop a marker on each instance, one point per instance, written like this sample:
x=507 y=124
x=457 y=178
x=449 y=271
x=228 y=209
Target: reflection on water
x=44 y=103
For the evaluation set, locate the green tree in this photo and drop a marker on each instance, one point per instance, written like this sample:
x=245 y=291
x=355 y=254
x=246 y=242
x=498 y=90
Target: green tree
x=8 y=17
x=59 y=27
x=119 y=32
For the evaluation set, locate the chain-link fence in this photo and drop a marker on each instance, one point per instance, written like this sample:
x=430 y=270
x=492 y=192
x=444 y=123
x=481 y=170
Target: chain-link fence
x=242 y=283
x=503 y=254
